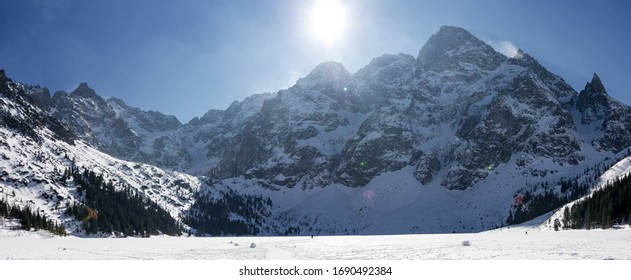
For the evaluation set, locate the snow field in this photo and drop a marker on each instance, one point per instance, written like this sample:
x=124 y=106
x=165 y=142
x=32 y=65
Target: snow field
x=515 y=243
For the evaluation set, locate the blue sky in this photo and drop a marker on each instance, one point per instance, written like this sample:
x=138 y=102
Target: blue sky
x=185 y=57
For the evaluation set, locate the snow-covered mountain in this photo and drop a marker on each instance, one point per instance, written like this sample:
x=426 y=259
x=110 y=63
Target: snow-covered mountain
x=115 y=128
x=440 y=142
x=36 y=150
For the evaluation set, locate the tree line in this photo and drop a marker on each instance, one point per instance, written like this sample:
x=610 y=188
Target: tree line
x=539 y=204
x=121 y=212
x=606 y=207
x=536 y=203
x=231 y=214
x=29 y=219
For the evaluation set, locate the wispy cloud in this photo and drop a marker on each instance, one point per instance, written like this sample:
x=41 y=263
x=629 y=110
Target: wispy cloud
x=505 y=47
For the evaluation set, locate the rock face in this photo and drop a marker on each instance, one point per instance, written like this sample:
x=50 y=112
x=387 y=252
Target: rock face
x=593 y=101
x=454 y=113
x=18 y=112
x=611 y=118
x=115 y=128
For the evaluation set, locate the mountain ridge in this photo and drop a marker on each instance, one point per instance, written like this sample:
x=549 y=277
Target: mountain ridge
x=437 y=143
x=448 y=68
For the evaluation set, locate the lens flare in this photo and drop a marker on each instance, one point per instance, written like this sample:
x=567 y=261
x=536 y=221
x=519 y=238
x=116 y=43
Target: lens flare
x=490 y=167
x=368 y=195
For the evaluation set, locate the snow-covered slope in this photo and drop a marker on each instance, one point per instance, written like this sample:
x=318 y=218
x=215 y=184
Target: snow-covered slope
x=34 y=159
x=617 y=170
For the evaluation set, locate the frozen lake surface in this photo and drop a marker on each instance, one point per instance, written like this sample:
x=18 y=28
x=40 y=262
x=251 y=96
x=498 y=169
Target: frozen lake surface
x=511 y=244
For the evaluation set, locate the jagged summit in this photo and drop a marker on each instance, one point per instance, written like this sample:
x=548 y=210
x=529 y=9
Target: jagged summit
x=521 y=55
x=327 y=71
x=446 y=40
x=612 y=117
x=596 y=86
x=388 y=69
x=452 y=46
x=2 y=74
x=331 y=75
x=518 y=54
x=83 y=90
x=328 y=66
x=59 y=94
x=593 y=101
x=454 y=35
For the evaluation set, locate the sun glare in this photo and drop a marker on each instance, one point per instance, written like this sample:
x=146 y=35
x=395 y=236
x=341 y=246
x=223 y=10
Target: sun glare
x=328 y=20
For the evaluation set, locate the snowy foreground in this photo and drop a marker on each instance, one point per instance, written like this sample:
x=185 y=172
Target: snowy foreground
x=512 y=244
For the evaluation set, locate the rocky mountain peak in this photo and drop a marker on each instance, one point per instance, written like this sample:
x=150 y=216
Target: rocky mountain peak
x=41 y=96
x=59 y=95
x=329 y=67
x=3 y=77
x=83 y=90
x=519 y=54
x=596 y=86
x=457 y=35
x=326 y=74
x=453 y=45
x=593 y=101
x=523 y=58
x=387 y=68
x=596 y=105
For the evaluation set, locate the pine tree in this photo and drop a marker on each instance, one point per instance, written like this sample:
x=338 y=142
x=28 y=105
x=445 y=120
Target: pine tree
x=557 y=224
x=588 y=220
x=606 y=220
x=566 y=218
